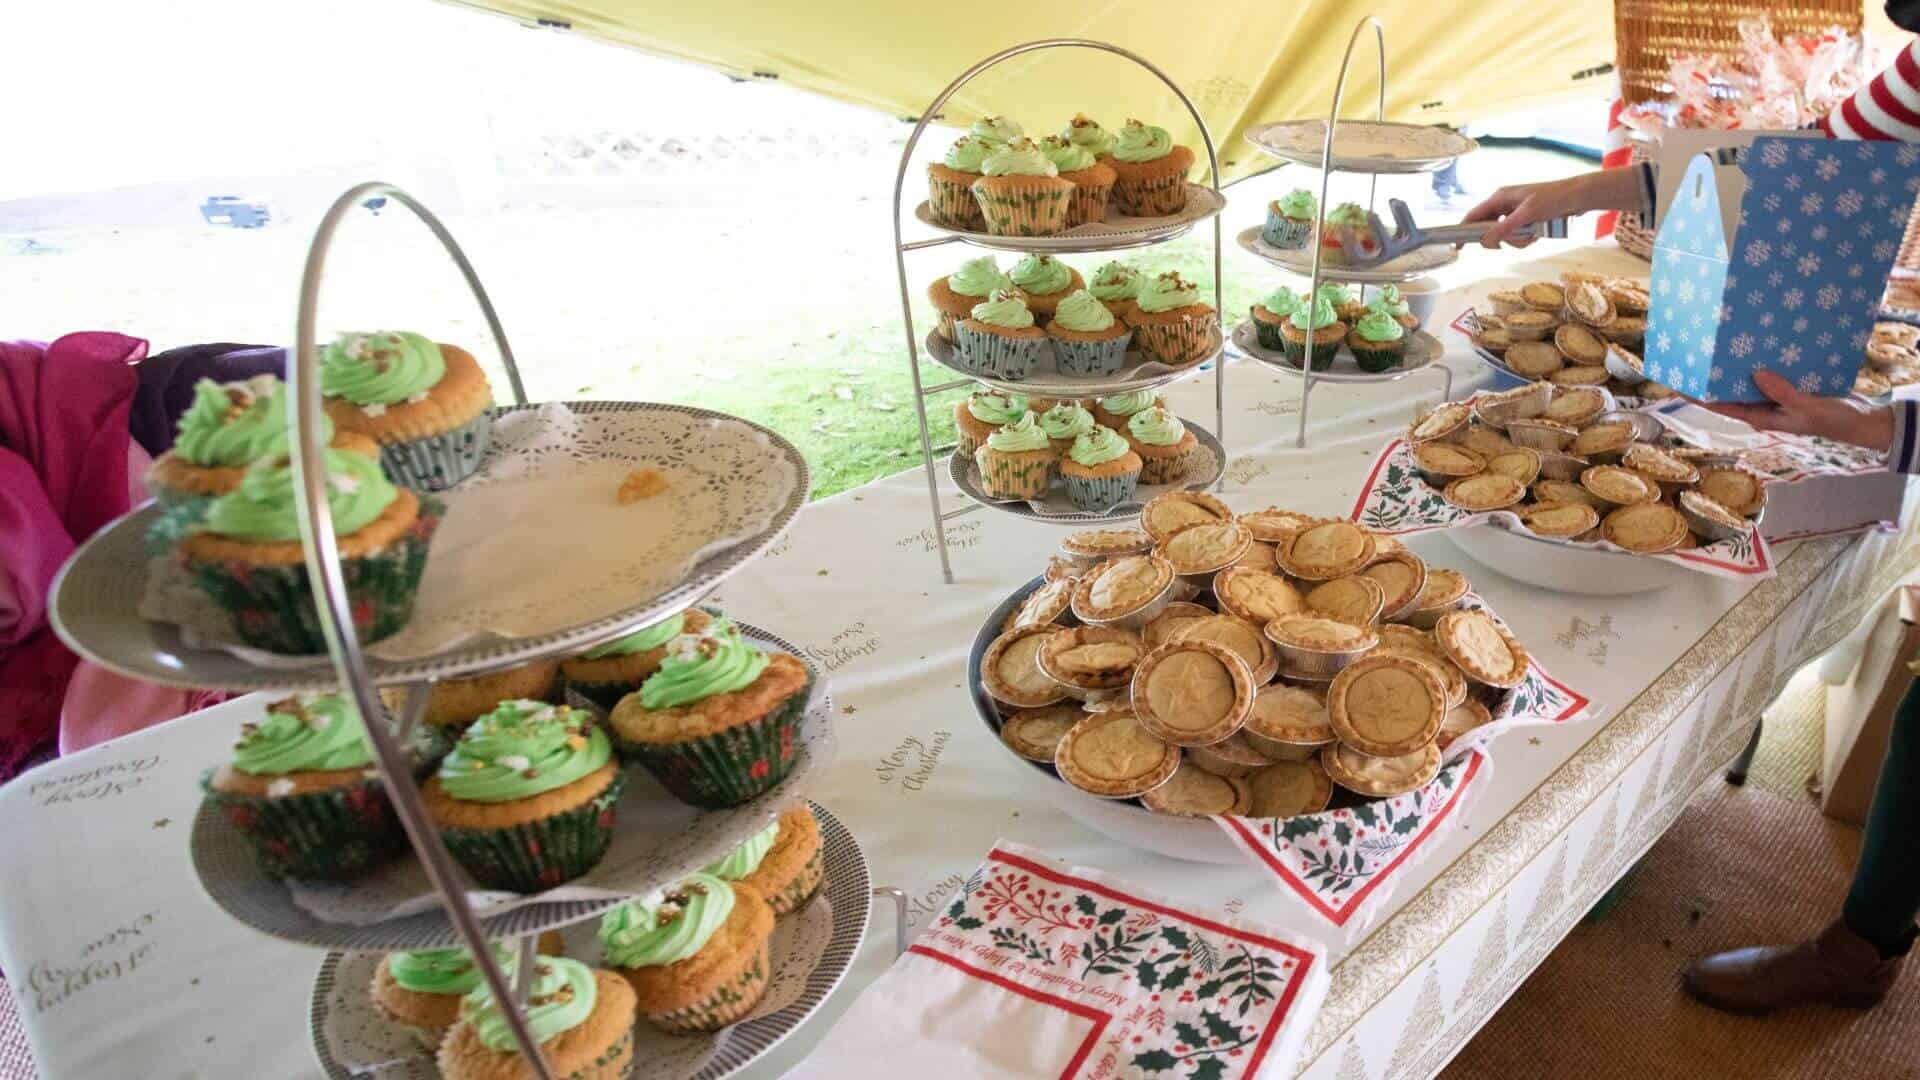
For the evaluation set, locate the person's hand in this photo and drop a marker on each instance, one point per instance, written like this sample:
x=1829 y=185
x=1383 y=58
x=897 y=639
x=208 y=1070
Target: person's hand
x=1796 y=412
x=1525 y=204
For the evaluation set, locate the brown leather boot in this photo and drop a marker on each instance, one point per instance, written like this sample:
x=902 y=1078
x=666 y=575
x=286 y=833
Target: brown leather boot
x=1837 y=968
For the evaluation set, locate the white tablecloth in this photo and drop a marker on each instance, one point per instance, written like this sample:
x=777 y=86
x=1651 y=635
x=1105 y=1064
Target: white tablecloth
x=124 y=968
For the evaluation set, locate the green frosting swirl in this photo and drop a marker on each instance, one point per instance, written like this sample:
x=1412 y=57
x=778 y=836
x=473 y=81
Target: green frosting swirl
x=997 y=129
x=1379 y=326
x=1347 y=214
x=1005 y=308
x=301 y=734
x=979 y=277
x=237 y=423
x=1041 y=275
x=717 y=661
x=1142 y=142
x=745 y=859
x=1115 y=281
x=1156 y=427
x=1333 y=292
x=647 y=637
x=1099 y=446
x=997 y=408
x=1022 y=434
x=380 y=369
x=1066 y=156
x=1082 y=311
x=968 y=153
x=1281 y=301
x=1387 y=300
x=1019 y=159
x=666 y=928
x=1322 y=315
x=1081 y=131
x=262 y=507
x=521 y=749
x=1298 y=204
x=1166 y=292
x=442 y=971
x=1128 y=403
x=561 y=999
x=1066 y=421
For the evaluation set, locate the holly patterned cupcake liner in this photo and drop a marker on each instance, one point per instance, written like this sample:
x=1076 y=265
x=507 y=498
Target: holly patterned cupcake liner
x=438 y=462
x=980 y=352
x=541 y=854
x=1091 y=357
x=1013 y=476
x=1269 y=336
x=1024 y=210
x=953 y=204
x=1155 y=197
x=1284 y=233
x=1178 y=344
x=179 y=513
x=794 y=894
x=332 y=835
x=1089 y=203
x=726 y=1004
x=728 y=767
x=1099 y=494
x=1167 y=470
x=274 y=607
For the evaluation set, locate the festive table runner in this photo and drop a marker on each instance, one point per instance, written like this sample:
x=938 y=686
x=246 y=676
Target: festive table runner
x=1037 y=969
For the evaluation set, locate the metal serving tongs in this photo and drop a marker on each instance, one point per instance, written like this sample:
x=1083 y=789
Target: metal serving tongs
x=1372 y=245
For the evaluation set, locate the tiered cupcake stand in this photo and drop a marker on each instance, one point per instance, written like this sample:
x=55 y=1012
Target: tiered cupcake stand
x=94 y=607
x=1371 y=148
x=1119 y=234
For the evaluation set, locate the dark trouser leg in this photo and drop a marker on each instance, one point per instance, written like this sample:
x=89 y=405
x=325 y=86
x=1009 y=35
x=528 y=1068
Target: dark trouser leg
x=1885 y=897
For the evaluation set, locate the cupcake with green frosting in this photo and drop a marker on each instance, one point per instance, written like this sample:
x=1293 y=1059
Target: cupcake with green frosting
x=1116 y=284
x=302 y=788
x=1387 y=301
x=695 y=955
x=950 y=184
x=999 y=338
x=1020 y=192
x=247 y=555
x=1088 y=341
x=1115 y=410
x=1044 y=281
x=781 y=862
x=1290 y=220
x=226 y=428
x=983 y=413
x=1346 y=217
x=955 y=295
x=1269 y=315
x=427 y=405
x=581 y=1017
x=1151 y=171
x=997 y=131
x=1016 y=462
x=717 y=724
x=420 y=989
x=526 y=798
x=1167 y=449
x=1083 y=132
x=1064 y=423
x=1092 y=178
x=1101 y=470
x=1345 y=299
x=610 y=671
x=1377 y=341
x=1171 y=323
x=1312 y=328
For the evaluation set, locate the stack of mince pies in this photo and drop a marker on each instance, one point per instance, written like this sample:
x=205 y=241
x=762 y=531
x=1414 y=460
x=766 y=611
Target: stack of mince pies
x=1572 y=467
x=1892 y=361
x=1583 y=330
x=1210 y=662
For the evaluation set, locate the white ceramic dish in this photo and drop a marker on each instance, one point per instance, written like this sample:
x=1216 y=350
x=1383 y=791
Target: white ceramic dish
x=1046 y=381
x=1363 y=146
x=1423 y=350
x=1300 y=261
x=1563 y=567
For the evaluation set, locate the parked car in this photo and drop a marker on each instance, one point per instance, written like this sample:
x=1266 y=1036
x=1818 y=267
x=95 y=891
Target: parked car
x=236 y=211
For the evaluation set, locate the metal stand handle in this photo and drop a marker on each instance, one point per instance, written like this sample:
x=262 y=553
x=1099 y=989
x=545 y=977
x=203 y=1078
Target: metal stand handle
x=901 y=247
x=335 y=613
x=900 y=936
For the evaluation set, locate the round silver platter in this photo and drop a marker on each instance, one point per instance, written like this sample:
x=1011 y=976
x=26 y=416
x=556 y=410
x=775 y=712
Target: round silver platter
x=1300 y=261
x=1423 y=349
x=848 y=888
x=1059 y=511
x=1117 y=233
x=1044 y=381
x=94 y=601
x=679 y=839
x=1363 y=146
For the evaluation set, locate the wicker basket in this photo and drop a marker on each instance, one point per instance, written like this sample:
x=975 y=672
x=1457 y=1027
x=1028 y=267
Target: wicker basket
x=1649 y=34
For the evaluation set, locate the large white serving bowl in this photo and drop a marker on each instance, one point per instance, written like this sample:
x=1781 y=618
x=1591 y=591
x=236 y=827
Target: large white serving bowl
x=1563 y=567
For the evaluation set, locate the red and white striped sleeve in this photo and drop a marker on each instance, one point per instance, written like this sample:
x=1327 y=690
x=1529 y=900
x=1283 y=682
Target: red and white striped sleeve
x=1888 y=108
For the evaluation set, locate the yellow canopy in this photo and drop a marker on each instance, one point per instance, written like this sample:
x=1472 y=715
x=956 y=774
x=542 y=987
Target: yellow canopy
x=1242 y=63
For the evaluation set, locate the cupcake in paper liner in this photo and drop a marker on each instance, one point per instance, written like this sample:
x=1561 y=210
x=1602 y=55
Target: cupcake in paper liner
x=983 y=413
x=1092 y=179
x=1270 y=314
x=1116 y=409
x=1016 y=462
x=1170 y=324
x=1064 y=423
x=696 y=955
x=1290 y=220
x=719 y=723
x=581 y=1017
x=1116 y=285
x=302 y=789
x=1101 y=471
x=1150 y=171
x=782 y=862
x=420 y=989
x=950 y=184
x=606 y=673
x=1000 y=339
x=227 y=427
x=1087 y=340
x=973 y=282
x=1377 y=342
x=1312 y=334
x=427 y=405
x=1168 y=451
x=1345 y=300
x=1387 y=301
x=455 y=703
x=1043 y=282
x=247 y=555
x=1021 y=193
x=526 y=800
